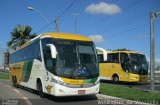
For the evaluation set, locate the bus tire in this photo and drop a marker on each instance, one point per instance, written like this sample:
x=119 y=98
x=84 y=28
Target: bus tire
x=14 y=81
x=40 y=89
x=115 y=78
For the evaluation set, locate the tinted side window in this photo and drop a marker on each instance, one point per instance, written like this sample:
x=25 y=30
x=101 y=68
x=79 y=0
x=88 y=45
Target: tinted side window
x=124 y=61
x=113 y=58
x=37 y=54
x=100 y=58
x=48 y=61
x=30 y=52
x=124 y=58
x=45 y=48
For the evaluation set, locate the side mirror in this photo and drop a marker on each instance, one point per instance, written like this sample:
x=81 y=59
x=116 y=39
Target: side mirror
x=53 y=50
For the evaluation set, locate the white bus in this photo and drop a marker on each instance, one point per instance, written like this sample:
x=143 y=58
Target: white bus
x=58 y=64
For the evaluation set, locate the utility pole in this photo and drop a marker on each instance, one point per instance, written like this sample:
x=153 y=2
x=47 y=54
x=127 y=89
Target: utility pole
x=152 y=66
x=75 y=21
x=152 y=50
x=56 y=24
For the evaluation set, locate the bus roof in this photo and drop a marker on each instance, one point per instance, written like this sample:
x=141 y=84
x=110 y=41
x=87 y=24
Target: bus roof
x=112 y=52
x=109 y=52
x=67 y=36
x=56 y=35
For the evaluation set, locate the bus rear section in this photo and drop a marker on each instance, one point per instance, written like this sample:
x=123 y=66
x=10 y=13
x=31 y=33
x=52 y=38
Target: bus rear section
x=128 y=66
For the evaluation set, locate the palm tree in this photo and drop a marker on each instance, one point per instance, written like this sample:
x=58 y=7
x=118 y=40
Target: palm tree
x=20 y=35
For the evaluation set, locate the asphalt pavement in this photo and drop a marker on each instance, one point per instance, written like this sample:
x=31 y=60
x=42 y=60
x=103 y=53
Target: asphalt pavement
x=10 y=95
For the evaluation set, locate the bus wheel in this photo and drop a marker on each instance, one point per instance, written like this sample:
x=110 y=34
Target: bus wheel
x=40 y=90
x=115 y=78
x=14 y=81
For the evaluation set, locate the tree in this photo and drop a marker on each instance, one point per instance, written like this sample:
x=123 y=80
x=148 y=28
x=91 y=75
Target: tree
x=123 y=49
x=19 y=36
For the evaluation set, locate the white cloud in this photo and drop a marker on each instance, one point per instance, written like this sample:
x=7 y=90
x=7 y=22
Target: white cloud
x=97 y=38
x=103 y=8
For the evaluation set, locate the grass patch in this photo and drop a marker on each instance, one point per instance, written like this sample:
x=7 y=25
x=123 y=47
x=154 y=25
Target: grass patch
x=128 y=93
x=4 y=75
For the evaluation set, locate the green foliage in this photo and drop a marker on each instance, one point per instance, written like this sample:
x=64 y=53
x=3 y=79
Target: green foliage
x=128 y=93
x=20 y=35
x=123 y=49
x=4 y=75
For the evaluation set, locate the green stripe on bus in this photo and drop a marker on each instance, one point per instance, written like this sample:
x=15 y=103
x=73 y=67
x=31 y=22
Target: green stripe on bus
x=26 y=71
x=93 y=80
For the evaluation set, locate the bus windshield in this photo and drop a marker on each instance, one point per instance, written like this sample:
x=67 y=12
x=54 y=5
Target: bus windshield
x=76 y=59
x=138 y=64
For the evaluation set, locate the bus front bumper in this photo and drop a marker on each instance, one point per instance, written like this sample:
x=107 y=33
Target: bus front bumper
x=67 y=91
x=138 y=78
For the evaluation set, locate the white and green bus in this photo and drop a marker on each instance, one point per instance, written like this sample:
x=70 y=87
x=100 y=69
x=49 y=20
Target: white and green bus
x=58 y=64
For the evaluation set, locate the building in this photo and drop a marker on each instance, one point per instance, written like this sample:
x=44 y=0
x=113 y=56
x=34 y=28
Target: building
x=6 y=59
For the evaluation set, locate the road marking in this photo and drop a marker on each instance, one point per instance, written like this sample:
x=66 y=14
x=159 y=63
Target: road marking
x=25 y=98
x=16 y=90
x=28 y=102
x=8 y=86
x=18 y=93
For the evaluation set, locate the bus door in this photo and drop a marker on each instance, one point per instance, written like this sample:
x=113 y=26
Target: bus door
x=103 y=67
x=124 y=62
x=113 y=64
x=49 y=62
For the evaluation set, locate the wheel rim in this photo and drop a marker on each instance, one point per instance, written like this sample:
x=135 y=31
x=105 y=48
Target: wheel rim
x=115 y=79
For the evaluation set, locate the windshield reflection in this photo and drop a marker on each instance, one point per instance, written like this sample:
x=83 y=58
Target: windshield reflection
x=76 y=59
x=139 y=64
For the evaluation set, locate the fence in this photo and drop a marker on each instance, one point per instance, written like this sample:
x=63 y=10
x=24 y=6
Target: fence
x=156 y=76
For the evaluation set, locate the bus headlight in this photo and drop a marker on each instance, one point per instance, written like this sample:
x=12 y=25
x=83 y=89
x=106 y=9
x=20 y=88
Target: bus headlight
x=58 y=82
x=75 y=85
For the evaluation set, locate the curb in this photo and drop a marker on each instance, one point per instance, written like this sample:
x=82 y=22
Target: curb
x=101 y=96
x=120 y=101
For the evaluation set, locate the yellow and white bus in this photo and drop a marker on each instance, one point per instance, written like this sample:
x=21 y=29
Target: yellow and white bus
x=127 y=66
x=58 y=64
